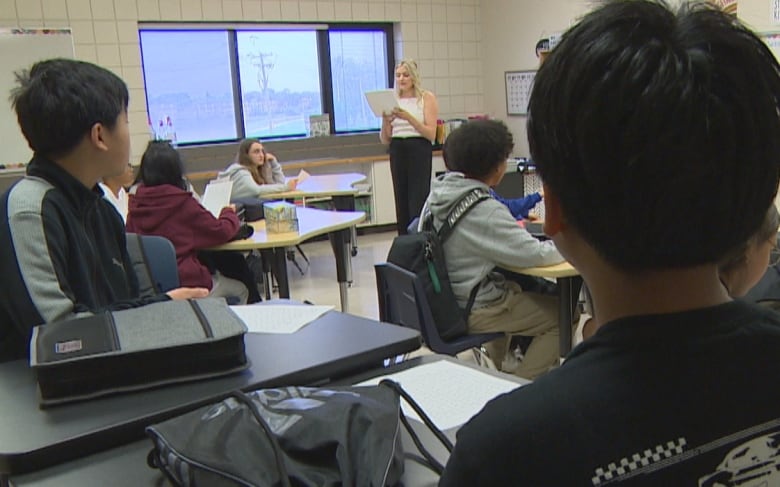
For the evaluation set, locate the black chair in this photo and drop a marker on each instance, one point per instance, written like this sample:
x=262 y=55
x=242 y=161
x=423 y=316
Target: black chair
x=402 y=301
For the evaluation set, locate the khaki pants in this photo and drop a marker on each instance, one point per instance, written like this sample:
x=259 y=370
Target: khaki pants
x=225 y=287
x=519 y=313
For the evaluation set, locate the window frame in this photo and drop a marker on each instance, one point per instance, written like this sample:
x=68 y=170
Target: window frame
x=323 y=53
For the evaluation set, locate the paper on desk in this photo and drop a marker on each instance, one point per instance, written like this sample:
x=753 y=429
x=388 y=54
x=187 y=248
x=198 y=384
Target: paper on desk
x=278 y=318
x=449 y=393
x=381 y=101
x=217 y=195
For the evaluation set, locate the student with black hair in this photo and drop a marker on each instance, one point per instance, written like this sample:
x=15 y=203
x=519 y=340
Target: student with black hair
x=487 y=237
x=163 y=206
x=657 y=137
x=63 y=245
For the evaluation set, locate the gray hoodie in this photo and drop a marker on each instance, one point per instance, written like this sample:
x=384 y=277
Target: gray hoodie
x=487 y=237
x=244 y=186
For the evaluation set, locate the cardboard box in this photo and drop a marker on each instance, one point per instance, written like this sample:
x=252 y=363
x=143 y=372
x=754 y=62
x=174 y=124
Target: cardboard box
x=280 y=217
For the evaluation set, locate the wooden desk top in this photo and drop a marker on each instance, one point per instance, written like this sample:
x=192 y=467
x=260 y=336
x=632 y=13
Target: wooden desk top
x=323 y=185
x=563 y=269
x=311 y=222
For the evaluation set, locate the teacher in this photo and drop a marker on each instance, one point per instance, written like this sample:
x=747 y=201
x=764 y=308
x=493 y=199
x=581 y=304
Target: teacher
x=410 y=130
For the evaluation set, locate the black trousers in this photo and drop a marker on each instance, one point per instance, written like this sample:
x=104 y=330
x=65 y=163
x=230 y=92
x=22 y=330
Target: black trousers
x=410 y=166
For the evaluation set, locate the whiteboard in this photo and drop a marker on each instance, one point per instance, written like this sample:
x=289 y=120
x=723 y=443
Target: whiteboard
x=20 y=49
x=518 y=91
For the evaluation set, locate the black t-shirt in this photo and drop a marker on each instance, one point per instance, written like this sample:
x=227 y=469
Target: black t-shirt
x=689 y=398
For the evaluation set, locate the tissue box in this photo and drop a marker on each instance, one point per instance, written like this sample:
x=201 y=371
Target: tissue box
x=280 y=217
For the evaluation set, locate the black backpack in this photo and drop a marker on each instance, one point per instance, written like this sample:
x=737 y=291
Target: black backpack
x=423 y=254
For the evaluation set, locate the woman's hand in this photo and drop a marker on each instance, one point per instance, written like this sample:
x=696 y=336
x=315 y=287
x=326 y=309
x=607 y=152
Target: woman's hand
x=269 y=157
x=292 y=183
x=388 y=118
x=402 y=114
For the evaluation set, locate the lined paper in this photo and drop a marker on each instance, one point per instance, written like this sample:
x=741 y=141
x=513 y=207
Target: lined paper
x=278 y=318
x=449 y=393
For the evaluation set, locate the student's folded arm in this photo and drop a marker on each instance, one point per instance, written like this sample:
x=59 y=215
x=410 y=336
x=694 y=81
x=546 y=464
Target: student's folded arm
x=207 y=230
x=512 y=246
x=244 y=185
x=276 y=170
x=136 y=302
x=271 y=188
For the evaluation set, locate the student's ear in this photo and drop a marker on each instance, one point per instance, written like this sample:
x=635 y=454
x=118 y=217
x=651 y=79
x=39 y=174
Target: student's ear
x=97 y=135
x=554 y=221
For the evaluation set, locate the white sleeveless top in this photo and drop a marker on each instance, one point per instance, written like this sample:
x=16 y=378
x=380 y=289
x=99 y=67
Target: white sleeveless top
x=403 y=129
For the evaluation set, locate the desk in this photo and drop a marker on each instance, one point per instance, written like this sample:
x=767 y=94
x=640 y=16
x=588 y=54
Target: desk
x=333 y=346
x=322 y=185
x=311 y=222
x=339 y=187
x=569 y=284
x=126 y=465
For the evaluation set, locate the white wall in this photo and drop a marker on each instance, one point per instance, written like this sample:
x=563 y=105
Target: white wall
x=444 y=36
x=511 y=29
x=756 y=13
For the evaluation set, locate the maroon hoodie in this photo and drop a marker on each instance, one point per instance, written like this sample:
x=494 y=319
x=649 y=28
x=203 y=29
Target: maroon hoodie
x=173 y=213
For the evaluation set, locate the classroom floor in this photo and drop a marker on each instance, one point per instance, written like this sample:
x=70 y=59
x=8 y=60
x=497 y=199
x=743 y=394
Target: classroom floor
x=319 y=285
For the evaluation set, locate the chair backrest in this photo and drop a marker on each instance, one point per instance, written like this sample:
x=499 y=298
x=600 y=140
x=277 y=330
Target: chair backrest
x=402 y=301
x=154 y=261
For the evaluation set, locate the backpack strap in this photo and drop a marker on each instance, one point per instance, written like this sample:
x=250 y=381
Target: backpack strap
x=472 y=297
x=466 y=204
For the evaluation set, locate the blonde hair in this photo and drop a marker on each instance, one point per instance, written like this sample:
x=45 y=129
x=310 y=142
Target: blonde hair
x=262 y=174
x=414 y=75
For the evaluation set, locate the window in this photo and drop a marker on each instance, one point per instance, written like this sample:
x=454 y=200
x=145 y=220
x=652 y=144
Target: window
x=235 y=82
x=280 y=81
x=189 y=82
x=358 y=61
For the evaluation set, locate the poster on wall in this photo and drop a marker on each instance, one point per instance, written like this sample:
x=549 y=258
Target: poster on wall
x=774 y=15
x=518 y=91
x=772 y=40
x=730 y=6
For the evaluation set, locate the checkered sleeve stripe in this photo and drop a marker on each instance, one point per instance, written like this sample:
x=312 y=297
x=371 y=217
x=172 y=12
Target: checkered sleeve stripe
x=647 y=457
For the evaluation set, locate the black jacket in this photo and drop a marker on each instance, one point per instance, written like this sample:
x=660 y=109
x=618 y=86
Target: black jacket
x=63 y=252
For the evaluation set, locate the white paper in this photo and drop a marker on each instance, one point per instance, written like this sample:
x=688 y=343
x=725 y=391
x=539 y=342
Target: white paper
x=381 y=101
x=302 y=176
x=217 y=195
x=449 y=393
x=278 y=318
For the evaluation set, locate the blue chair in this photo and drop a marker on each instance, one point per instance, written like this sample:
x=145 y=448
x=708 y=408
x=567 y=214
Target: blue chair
x=154 y=261
x=402 y=301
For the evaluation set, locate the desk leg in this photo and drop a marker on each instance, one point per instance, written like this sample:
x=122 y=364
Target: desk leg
x=267 y=256
x=280 y=269
x=339 y=240
x=347 y=203
x=568 y=289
